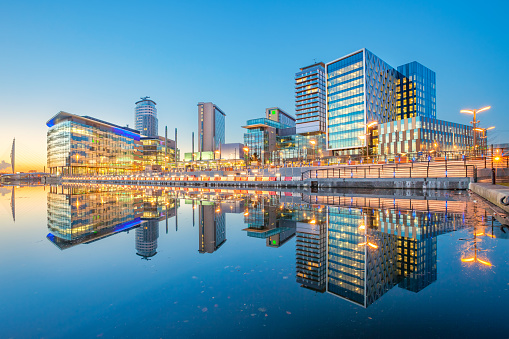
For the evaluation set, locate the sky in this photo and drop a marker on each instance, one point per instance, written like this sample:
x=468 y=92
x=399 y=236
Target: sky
x=98 y=58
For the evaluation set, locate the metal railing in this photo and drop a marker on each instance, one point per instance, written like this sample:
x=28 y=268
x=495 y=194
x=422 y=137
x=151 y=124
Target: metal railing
x=412 y=170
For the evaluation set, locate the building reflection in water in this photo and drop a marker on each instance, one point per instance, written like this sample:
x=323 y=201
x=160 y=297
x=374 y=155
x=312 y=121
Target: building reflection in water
x=353 y=247
x=79 y=214
x=265 y=219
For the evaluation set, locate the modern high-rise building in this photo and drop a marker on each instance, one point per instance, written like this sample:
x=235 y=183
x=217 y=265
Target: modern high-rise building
x=416 y=91
x=211 y=127
x=145 y=117
x=310 y=103
x=363 y=89
x=360 y=89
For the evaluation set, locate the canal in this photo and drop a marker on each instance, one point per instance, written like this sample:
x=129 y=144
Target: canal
x=87 y=261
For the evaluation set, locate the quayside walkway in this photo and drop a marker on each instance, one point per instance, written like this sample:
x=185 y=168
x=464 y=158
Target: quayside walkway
x=448 y=175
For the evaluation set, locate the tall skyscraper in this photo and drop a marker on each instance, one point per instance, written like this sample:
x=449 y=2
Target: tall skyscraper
x=416 y=91
x=145 y=117
x=211 y=127
x=362 y=89
x=310 y=104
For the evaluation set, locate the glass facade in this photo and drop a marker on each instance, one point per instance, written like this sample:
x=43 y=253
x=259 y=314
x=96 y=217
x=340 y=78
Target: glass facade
x=211 y=127
x=310 y=104
x=416 y=91
x=145 y=117
x=261 y=135
x=362 y=88
x=157 y=154
x=219 y=128
x=84 y=145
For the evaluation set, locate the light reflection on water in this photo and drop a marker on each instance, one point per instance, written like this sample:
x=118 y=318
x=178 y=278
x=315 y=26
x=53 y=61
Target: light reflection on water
x=336 y=254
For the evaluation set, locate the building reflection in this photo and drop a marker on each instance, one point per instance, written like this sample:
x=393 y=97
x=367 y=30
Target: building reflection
x=80 y=214
x=212 y=226
x=353 y=247
x=266 y=219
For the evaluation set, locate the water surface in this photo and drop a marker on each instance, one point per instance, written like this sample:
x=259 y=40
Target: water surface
x=103 y=261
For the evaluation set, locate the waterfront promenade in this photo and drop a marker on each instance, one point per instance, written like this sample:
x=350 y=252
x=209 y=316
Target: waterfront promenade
x=423 y=175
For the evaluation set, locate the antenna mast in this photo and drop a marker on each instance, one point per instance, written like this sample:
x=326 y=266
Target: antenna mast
x=13 y=155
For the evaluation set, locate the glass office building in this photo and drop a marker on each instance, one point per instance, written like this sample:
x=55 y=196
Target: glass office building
x=310 y=104
x=145 y=117
x=360 y=89
x=158 y=154
x=416 y=91
x=261 y=135
x=85 y=145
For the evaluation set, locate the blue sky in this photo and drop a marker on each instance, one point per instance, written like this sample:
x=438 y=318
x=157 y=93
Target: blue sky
x=97 y=58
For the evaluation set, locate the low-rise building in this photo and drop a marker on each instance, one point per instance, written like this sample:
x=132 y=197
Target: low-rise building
x=422 y=136
x=85 y=145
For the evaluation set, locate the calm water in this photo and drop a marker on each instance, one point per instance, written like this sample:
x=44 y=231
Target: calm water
x=87 y=262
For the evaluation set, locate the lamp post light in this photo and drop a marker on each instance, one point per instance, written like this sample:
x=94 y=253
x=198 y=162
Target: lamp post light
x=218 y=157
x=474 y=121
x=366 y=136
x=313 y=143
x=483 y=131
x=246 y=150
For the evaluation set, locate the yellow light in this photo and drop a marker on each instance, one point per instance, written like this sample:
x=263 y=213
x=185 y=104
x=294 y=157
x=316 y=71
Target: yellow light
x=497 y=158
x=490 y=128
x=313 y=222
x=372 y=123
x=362 y=227
x=370 y=244
x=484 y=262
x=490 y=235
x=312 y=142
x=483 y=109
x=246 y=149
x=467 y=111
x=362 y=137
x=467 y=259
x=246 y=214
x=362 y=244
x=479 y=233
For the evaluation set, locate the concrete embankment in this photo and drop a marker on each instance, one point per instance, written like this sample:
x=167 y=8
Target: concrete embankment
x=496 y=194
x=382 y=183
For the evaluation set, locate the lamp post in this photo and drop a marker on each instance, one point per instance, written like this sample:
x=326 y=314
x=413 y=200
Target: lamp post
x=246 y=150
x=474 y=121
x=483 y=131
x=218 y=156
x=369 y=126
x=313 y=143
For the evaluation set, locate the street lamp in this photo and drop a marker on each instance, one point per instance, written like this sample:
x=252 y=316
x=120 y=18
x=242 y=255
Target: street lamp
x=474 y=121
x=369 y=125
x=483 y=131
x=313 y=142
x=218 y=156
x=246 y=150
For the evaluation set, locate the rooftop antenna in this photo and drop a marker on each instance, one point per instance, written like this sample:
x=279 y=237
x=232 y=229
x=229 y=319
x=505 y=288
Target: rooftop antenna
x=314 y=60
x=144 y=98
